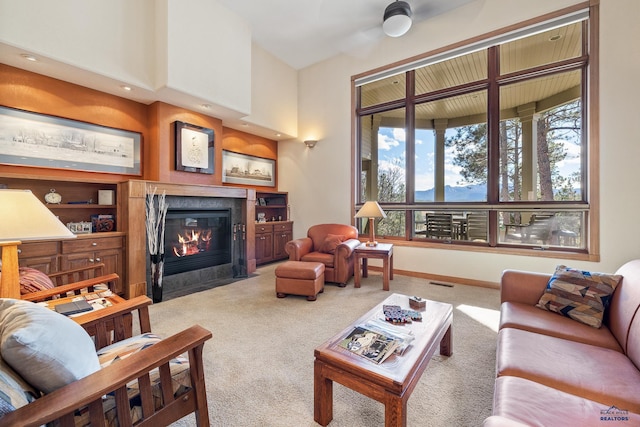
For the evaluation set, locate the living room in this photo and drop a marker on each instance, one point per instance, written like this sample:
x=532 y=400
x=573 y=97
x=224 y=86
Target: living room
x=260 y=95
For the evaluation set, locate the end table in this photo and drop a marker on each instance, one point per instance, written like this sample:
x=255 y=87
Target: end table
x=383 y=251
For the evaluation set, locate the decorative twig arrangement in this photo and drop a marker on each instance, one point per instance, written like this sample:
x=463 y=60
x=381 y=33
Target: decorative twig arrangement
x=155 y=238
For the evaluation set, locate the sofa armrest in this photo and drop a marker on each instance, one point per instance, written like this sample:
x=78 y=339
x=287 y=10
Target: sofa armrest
x=297 y=248
x=522 y=286
x=62 y=403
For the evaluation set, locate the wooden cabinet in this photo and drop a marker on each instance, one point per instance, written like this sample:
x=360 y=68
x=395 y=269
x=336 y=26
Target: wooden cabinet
x=282 y=233
x=94 y=249
x=42 y=256
x=273 y=228
x=264 y=243
x=271 y=239
x=53 y=256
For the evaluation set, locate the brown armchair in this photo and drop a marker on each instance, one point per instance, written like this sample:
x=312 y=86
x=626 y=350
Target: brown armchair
x=330 y=244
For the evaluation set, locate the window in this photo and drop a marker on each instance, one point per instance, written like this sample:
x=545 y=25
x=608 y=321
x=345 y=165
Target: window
x=485 y=147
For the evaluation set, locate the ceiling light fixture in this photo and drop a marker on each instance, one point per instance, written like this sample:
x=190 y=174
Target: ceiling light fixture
x=397 y=19
x=310 y=143
x=125 y=87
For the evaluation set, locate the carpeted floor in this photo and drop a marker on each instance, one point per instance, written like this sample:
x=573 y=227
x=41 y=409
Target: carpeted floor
x=259 y=364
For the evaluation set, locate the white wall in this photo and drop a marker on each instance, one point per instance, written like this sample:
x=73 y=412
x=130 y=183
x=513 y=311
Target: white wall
x=318 y=180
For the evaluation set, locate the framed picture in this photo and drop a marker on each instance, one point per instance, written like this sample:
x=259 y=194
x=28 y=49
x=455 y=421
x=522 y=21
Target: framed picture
x=33 y=139
x=194 y=148
x=243 y=169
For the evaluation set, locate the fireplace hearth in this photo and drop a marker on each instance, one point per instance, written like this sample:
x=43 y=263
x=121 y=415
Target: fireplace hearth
x=196 y=239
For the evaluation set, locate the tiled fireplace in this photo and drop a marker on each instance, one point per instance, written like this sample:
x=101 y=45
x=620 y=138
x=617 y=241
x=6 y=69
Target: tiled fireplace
x=211 y=222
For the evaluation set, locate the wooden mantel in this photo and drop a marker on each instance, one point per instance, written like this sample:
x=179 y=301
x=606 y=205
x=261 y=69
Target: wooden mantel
x=133 y=197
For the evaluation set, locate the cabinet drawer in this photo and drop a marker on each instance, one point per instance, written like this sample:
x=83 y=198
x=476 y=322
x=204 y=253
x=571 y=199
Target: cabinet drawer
x=37 y=249
x=264 y=228
x=283 y=227
x=91 y=244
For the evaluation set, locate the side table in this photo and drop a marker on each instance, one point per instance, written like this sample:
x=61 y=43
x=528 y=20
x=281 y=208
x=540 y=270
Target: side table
x=383 y=251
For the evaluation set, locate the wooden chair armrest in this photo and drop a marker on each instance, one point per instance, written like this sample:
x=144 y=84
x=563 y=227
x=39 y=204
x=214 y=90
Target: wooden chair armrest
x=75 y=275
x=48 y=294
x=114 y=323
x=63 y=402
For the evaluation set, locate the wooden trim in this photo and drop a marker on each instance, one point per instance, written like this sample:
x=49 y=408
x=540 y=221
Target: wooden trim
x=449 y=280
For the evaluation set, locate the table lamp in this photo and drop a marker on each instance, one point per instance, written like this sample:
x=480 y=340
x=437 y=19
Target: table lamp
x=23 y=217
x=371 y=210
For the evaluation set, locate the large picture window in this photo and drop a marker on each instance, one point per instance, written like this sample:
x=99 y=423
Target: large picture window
x=483 y=148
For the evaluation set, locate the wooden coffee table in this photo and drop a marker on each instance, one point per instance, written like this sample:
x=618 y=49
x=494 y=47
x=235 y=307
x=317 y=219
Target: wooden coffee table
x=392 y=381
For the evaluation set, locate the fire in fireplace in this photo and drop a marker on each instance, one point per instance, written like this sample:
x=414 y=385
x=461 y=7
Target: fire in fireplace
x=196 y=239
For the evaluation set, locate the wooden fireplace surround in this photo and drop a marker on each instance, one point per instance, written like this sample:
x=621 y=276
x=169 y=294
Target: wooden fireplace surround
x=133 y=207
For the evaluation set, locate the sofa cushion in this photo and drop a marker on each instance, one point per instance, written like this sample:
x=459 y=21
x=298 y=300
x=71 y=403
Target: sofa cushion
x=595 y=373
x=580 y=295
x=47 y=349
x=530 y=318
x=331 y=242
x=32 y=280
x=518 y=400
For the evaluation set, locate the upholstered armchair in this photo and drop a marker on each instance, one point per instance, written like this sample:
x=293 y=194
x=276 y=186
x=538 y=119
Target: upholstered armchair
x=330 y=244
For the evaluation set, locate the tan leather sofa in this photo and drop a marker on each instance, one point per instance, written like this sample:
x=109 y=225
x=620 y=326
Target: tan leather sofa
x=331 y=245
x=554 y=371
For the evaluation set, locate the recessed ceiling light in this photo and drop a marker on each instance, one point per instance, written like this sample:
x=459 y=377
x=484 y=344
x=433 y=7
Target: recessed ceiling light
x=29 y=57
x=245 y=125
x=206 y=106
x=127 y=88
x=278 y=134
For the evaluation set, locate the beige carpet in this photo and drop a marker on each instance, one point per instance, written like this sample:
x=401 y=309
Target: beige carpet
x=259 y=364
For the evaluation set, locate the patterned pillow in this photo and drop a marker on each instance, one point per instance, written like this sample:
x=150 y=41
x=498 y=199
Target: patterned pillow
x=580 y=295
x=331 y=242
x=32 y=280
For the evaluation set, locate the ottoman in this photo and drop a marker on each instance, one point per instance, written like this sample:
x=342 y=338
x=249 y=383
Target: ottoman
x=300 y=278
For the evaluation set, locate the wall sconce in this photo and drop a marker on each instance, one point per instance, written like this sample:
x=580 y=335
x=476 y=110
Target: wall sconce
x=310 y=143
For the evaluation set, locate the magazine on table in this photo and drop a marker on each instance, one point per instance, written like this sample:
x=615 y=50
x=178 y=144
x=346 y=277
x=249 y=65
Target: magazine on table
x=369 y=344
x=398 y=333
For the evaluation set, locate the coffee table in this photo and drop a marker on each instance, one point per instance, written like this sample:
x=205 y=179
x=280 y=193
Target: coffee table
x=392 y=381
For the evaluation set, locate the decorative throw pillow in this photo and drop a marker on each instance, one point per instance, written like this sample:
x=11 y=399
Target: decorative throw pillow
x=331 y=242
x=32 y=280
x=46 y=348
x=580 y=295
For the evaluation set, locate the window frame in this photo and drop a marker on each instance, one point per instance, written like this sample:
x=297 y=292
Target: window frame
x=587 y=62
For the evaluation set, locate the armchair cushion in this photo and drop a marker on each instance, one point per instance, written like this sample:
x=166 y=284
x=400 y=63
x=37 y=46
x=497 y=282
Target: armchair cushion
x=47 y=349
x=331 y=242
x=580 y=295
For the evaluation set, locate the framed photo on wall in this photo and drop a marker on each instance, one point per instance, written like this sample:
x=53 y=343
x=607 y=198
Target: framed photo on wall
x=40 y=140
x=194 y=148
x=244 y=169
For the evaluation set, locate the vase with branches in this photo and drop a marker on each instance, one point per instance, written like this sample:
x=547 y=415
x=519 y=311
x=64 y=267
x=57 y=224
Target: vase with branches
x=156 y=210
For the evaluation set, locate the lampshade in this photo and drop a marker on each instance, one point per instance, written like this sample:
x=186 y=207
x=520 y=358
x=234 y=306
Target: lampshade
x=24 y=217
x=371 y=209
x=397 y=19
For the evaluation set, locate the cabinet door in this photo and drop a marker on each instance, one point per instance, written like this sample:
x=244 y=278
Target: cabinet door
x=280 y=239
x=111 y=258
x=264 y=248
x=46 y=264
x=40 y=255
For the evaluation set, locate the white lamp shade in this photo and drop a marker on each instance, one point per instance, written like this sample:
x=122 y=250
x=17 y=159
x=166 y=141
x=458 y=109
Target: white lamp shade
x=371 y=209
x=24 y=217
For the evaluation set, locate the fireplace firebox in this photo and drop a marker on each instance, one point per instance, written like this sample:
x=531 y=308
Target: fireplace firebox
x=196 y=239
